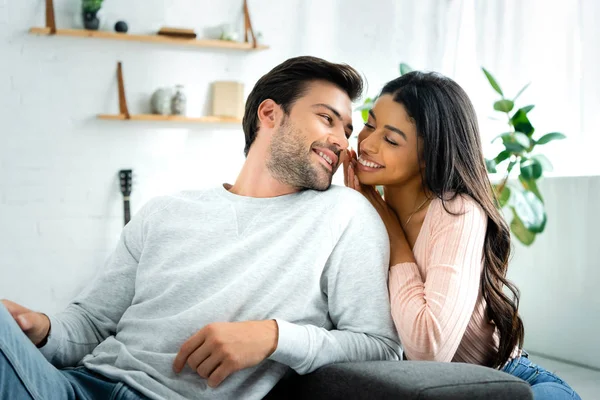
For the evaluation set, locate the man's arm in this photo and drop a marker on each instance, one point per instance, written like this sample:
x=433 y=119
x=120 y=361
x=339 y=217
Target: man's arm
x=94 y=314
x=355 y=281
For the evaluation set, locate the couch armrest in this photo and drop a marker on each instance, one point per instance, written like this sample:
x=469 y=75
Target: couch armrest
x=407 y=380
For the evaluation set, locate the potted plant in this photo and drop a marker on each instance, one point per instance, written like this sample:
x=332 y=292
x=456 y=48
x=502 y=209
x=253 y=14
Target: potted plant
x=521 y=149
x=90 y=10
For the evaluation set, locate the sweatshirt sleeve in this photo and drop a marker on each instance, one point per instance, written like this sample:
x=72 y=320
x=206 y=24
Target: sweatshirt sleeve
x=355 y=283
x=431 y=312
x=93 y=315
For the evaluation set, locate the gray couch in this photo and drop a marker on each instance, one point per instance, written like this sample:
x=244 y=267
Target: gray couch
x=403 y=380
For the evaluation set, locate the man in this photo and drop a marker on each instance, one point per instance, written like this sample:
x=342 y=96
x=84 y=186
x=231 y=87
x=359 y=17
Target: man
x=217 y=293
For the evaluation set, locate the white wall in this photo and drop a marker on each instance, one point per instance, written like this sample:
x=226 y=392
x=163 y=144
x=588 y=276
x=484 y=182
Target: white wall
x=60 y=206
x=559 y=275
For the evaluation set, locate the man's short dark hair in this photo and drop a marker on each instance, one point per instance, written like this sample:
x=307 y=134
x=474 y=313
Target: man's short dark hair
x=289 y=81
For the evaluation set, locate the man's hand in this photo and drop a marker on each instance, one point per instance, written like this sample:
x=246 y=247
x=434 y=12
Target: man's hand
x=220 y=349
x=34 y=324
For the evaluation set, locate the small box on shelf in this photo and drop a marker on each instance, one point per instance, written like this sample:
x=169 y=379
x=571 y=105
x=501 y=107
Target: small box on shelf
x=228 y=99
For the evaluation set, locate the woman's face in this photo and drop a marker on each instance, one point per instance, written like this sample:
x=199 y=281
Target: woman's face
x=388 y=146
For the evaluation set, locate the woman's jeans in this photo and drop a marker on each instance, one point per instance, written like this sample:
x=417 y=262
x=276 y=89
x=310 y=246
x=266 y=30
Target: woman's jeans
x=544 y=384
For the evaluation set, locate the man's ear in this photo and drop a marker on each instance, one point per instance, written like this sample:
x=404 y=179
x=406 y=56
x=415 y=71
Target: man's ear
x=269 y=113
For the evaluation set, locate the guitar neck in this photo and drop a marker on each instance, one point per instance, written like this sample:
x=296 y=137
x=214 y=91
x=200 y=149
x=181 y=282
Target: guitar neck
x=126 y=209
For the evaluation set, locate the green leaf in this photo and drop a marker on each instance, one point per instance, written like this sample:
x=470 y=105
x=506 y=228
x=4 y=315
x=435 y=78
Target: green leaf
x=511 y=143
x=364 y=108
x=521 y=232
x=514 y=141
x=526 y=109
x=490 y=166
x=521 y=123
x=503 y=155
x=405 y=69
x=367 y=105
x=522 y=139
x=504 y=196
x=493 y=82
x=501 y=136
x=531 y=185
x=544 y=162
x=504 y=105
x=365 y=115
x=521 y=92
x=531 y=169
x=530 y=210
x=510 y=166
x=550 y=137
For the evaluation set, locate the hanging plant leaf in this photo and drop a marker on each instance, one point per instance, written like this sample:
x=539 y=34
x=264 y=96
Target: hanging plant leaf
x=520 y=231
x=512 y=145
x=547 y=138
x=521 y=123
x=526 y=109
x=522 y=139
x=493 y=82
x=531 y=185
x=490 y=166
x=364 y=108
x=521 y=92
x=530 y=210
x=367 y=105
x=405 y=69
x=531 y=169
x=544 y=162
x=504 y=105
x=504 y=196
x=503 y=155
x=502 y=136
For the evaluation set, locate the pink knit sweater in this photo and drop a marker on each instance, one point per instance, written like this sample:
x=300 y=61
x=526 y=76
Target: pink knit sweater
x=437 y=304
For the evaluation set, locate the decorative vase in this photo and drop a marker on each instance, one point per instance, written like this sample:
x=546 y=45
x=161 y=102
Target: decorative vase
x=178 y=104
x=91 y=20
x=161 y=101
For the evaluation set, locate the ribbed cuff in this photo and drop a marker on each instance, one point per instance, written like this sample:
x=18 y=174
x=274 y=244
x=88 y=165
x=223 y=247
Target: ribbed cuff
x=405 y=271
x=292 y=346
x=54 y=338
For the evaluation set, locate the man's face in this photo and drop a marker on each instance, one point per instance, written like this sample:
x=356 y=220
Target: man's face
x=306 y=150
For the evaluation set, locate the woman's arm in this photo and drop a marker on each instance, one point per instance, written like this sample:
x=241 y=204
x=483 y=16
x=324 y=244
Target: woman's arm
x=431 y=312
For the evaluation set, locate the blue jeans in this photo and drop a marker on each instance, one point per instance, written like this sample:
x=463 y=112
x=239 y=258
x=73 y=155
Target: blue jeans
x=25 y=373
x=544 y=384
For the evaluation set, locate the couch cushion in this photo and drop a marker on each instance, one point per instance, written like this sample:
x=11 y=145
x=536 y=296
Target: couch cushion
x=408 y=380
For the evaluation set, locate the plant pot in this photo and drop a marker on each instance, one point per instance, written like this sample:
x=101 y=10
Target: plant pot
x=90 y=20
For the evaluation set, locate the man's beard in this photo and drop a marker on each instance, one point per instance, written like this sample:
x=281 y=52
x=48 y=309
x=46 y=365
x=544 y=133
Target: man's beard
x=290 y=162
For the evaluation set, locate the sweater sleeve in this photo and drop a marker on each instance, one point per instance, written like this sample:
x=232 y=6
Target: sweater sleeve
x=431 y=312
x=95 y=313
x=355 y=283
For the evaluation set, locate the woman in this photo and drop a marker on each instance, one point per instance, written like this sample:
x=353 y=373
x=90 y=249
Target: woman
x=450 y=245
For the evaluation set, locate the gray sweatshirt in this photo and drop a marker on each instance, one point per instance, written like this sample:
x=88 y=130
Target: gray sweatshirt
x=316 y=262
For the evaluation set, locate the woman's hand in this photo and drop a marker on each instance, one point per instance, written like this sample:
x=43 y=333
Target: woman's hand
x=400 y=249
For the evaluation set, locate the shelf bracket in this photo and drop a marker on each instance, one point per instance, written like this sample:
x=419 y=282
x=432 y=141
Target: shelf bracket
x=248 y=25
x=122 y=99
x=50 y=20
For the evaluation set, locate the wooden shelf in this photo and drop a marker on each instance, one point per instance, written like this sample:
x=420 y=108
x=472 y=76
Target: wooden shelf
x=171 y=118
x=202 y=43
